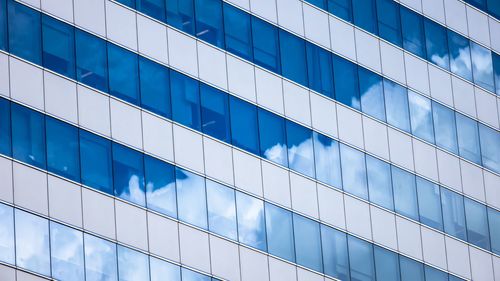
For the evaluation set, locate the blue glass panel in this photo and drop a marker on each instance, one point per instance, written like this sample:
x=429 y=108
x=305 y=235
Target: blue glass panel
x=91 y=61
x=490 y=148
x=209 y=25
x=335 y=257
x=379 y=182
x=189 y=275
x=63 y=156
x=25 y=38
x=132 y=265
x=481 y=4
x=405 y=193
x=66 y=247
x=32 y=242
x=238 y=31
x=460 y=60
x=300 y=148
x=185 y=93
x=389 y=21
x=454 y=278
x=346 y=82
x=453 y=213
x=160 y=186
x=386 y=264
x=496 y=69
x=272 y=137
x=372 y=94
x=251 y=225
x=307 y=242
x=411 y=270
x=396 y=103
x=244 y=127
x=436 y=44
x=279 y=228
x=164 y=271
x=494 y=8
x=7 y=247
x=421 y=116
x=468 y=138
x=221 y=210
x=477 y=224
x=266 y=45
x=5 y=129
x=96 y=161
x=128 y=174
x=123 y=74
x=319 y=69
x=293 y=58
x=28 y=136
x=155 y=87
x=191 y=198
x=353 y=171
x=3 y=26
x=180 y=14
x=365 y=15
x=100 y=259
x=129 y=3
x=215 y=113
x=413 y=32
x=361 y=259
x=432 y=274
x=327 y=160
x=429 y=204
x=341 y=8
x=445 y=127
x=482 y=66
x=318 y=3
x=58 y=46
x=153 y=8
x=494 y=220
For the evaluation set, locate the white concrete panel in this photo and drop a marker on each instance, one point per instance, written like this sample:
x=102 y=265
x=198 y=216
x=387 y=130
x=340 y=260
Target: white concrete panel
x=93 y=111
x=290 y=15
x=304 y=196
x=126 y=123
x=384 y=227
x=478 y=26
x=276 y=184
x=409 y=240
x=342 y=37
x=481 y=265
x=218 y=160
x=98 y=213
x=131 y=225
x=400 y=148
x=417 y=75
x=121 y=25
x=376 y=140
x=449 y=169
x=434 y=9
x=241 y=78
x=433 y=247
x=472 y=180
x=393 y=64
x=463 y=94
x=163 y=237
x=195 y=249
x=281 y=271
x=65 y=201
x=265 y=8
x=492 y=188
x=152 y=39
x=90 y=14
x=367 y=50
x=182 y=53
x=323 y=115
x=253 y=265
x=247 y=172
x=60 y=97
x=358 y=217
x=350 y=126
x=269 y=90
x=188 y=148
x=456 y=252
x=331 y=206
x=316 y=25
x=425 y=159
x=440 y=85
x=7 y=190
x=157 y=135
x=61 y=9
x=488 y=111
x=225 y=259
x=297 y=103
x=30 y=188
x=456 y=16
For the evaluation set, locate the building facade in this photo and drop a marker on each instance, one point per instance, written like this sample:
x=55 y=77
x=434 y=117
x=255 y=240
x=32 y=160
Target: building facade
x=250 y=140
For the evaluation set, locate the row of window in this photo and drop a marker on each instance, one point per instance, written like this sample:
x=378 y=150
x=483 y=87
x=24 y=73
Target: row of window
x=84 y=157
x=489 y=6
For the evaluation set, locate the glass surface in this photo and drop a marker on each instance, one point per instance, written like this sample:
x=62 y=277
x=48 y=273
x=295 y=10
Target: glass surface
x=244 y=127
x=307 y=242
x=436 y=44
x=445 y=127
x=58 y=46
x=494 y=221
x=251 y=224
x=28 y=136
x=460 y=60
x=318 y=3
x=293 y=57
x=180 y=14
x=129 y=3
x=482 y=66
x=432 y=274
x=185 y=93
x=346 y=82
x=477 y=224
x=429 y=204
x=396 y=104
x=128 y=174
x=300 y=148
x=3 y=26
x=272 y=137
x=153 y=8
x=361 y=259
x=468 y=138
x=66 y=246
x=96 y=161
x=209 y=25
x=496 y=70
x=389 y=21
x=372 y=94
x=335 y=256
x=279 y=226
x=413 y=32
x=411 y=270
x=490 y=148
x=25 y=38
x=319 y=69
x=238 y=32
x=189 y=275
x=164 y=271
x=132 y=265
x=215 y=113
x=386 y=264
x=493 y=8
x=160 y=186
x=327 y=160
x=100 y=259
x=32 y=242
x=155 y=87
x=421 y=116
x=379 y=182
x=353 y=171
x=221 y=210
x=5 y=128
x=405 y=193
x=7 y=246
x=365 y=15
x=453 y=213
x=191 y=198
x=63 y=157
x=91 y=60
x=341 y=8
x=266 y=45
x=123 y=74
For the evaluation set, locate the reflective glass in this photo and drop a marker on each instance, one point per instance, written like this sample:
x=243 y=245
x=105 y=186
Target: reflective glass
x=66 y=246
x=490 y=148
x=25 y=38
x=5 y=128
x=437 y=44
x=389 y=21
x=346 y=82
x=209 y=25
x=58 y=46
x=279 y=228
x=244 y=127
x=496 y=69
x=413 y=32
x=319 y=69
x=7 y=250
x=189 y=275
x=3 y=25
x=361 y=259
x=221 y=210
x=353 y=171
x=62 y=149
x=372 y=94
x=482 y=66
x=396 y=103
x=468 y=138
x=96 y=161
x=429 y=204
x=445 y=127
x=191 y=200
x=341 y=8
x=185 y=93
x=164 y=271
x=432 y=274
x=494 y=221
x=215 y=113
x=129 y=3
x=132 y=265
x=307 y=242
x=318 y=3
x=335 y=257
x=91 y=60
x=365 y=15
x=477 y=224
x=411 y=270
x=300 y=148
x=386 y=264
x=123 y=74
x=128 y=174
x=421 y=116
x=272 y=137
x=238 y=32
x=494 y=8
x=293 y=57
x=460 y=60
x=153 y=8
x=266 y=45
x=251 y=225
x=100 y=259
x=327 y=160
x=405 y=193
x=180 y=14
x=155 y=87
x=160 y=186
x=453 y=213
x=379 y=182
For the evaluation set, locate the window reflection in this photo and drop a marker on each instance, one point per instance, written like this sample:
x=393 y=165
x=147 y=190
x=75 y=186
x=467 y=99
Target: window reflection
x=66 y=246
x=132 y=265
x=128 y=174
x=279 y=228
x=327 y=160
x=300 y=148
x=411 y=270
x=429 y=203
x=353 y=171
x=160 y=186
x=100 y=259
x=221 y=210
x=251 y=226
x=164 y=271
x=445 y=127
x=6 y=234
x=192 y=202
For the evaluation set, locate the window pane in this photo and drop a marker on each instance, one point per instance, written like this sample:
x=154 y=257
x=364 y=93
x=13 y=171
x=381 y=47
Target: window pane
x=238 y=31
x=429 y=203
x=477 y=224
x=353 y=171
x=128 y=174
x=153 y=8
x=129 y=3
x=319 y=69
x=266 y=45
x=25 y=38
x=164 y=271
x=327 y=160
x=293 y=58
x=413 y=32
x=379 y=182
x=189 y=275
x=5 y=128
x=28 y=136
x=453 y=213
x=192 y=203
x=494 y=8
x=7 y=252
x=95 y=155
x=100 y=259
x=132 y=265
x=272 y=137
x=123 y=74
x=307 y=242
x=335 y=257
x=62 y=149
x=411 y=270
x=209 y=25
x=433 y=274
x=318 y=3
x=300 y=148
x=32 y=242
x=437 y=44
x=160 y=186
x=468 y=138
x=445 y=127
x=396 y=102
x=279 y=228
x=361 y=259
x=221 y=210
x=185 y=100
x=215 y=113
x=490 y=147
x=3 y=25
x=460 y=61
x=386 y=264
x=91 y=61
x=346 y=82
x=494 y=220
x=421 y=116
x=66 y=245
x=482 y=66
x=365 y=15
x=244 y=128
x=372 y=95
x=251 y=226
x=496 y=66
x=58 y=46
x=341 y=8
x=389 y=21
x=155 y=87
x=180 y=14
x=405 y=193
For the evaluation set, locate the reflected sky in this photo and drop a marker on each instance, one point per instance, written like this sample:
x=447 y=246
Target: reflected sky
x=327 y=160
x=221 y=210
x=132 y=265
x=251 y=228
x=421 y=116
x=67 y=253
x=164 y=271
x=482 y=66
x=191 y=198
x=353 y=171
x=6 y=234
x=100 y=259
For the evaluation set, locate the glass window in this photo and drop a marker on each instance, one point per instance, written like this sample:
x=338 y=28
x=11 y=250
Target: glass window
x=129 y=3
x=153 y=8
x=429 y=203
x=100 y=259
x=7 y=252
x=307 y=242
x=164 y=271
x=445 y=127
x=372 y=95
x=365 y=15
x=346 y=82
x=266 y=45
x=421 y=116
x=25 y=38
x=490 y=147
x=335 y=257
x=482 y=66
x=405 y=193
x=215 y=113
x=379 y=182
x=180 y=14
x=91 y=61
x=353 y=171
x=192 y=203
x=300 y=148
x=209 y=25
x=468 y=138
x=477 y=224
x=436 y=44
x=66 y=246
x=413 y=32
x=58 y=46
x=327 y=160
x=494 y=8
x=396 y=103
x=293 y=57
x=185 y=93
x=494 y=220
x=460 y=61
x=411 y=270
x=155 y=87
x=5 y=129
x=318 y=3
x=251 y=225
x=238 y=31
x=96 y=161
x=123 y=74
x=128 y=174
x=389 y=21
x=3 y=25
x=279 y=228
x=132 y=265
x=496 y=66
x=361 y=259
x=341 y=8
x=28 y=136
x=386 y=264
x=244 y=127
x=32 y=242
x=189 y=275
x=63 y=156
x=453 y=213
x=272 y=137
x=433 y=274
x=221 y=210
x=319 y=69
x=160 y=186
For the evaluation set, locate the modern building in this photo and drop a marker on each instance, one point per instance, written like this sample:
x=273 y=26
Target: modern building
x=250 y=140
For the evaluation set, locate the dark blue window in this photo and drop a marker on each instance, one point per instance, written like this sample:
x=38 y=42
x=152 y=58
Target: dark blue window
x=215 y=113
x=335 y=256
x=396 y=103
x=494 y=220
x=341 y=8
x=266 y=45
x=28 y=136
x=361 y=259
x=128 y=174
x=411 y=270
x=123 y=74
x=346 y=82
x=429 y=203
x=386 y=264
x=191 y=198
x=379 y=182
x=293 y=57
x=318 y=3
x=5 y=128
x=58 y=46
x=453 y=213
x=3 y=26
x=496 y=70
x=353 y=171
x=63 y=149
x=272 y=137
x=129 y=3
x=468 y=138
x=372 y=94
x=244 y=127
x=421 y=116
x=482 y=66
x=433 y=274
x=494 y=8
x=477 y=224
x=279 y=228
x=25 y=38
x=153 y=8
x=405 y=193
x=185 y=93
x=437 y=44
x=460 y=61
x=319 y=69
x=445 y=127
x=300 y=148
x=481 y=4
x=180 y=14
x=365 y=15
x=389 y=21
x=155 y=87
x=490 y=147
x=160 y=186
x=251 y=229
x=238 y=32
x=91 y=61
x=327 y=160
x=413 y=32
x=209 y=21
x=307 y=242
x=96 y=161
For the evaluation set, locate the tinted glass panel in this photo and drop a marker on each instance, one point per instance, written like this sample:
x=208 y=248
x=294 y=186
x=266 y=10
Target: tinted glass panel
x=180 y=14
x=5 y=128
x=265 y=45
x=63 y=157
x=396 y=102
x=496 y=66
x=413 y=32
x=132 y=265
x=96 y=160
x=365 y=15
x=341 y=8
x=494 y=220
x=307 y=242
x=335 y=257
x=189 y=275
x=164 y=271
x=386 y=264
x=244 y=128
x=372 y=94
x=58 y=46
x=318 y=3
x=128 y=174
x=153 y=8
x=272 y=137
x=279 y=228
x=389 y=21
x=238 y=31
x=421 y=116
x=300 y=149
x=477 y=224
x=209 y=26
x=405 y=193
x=100 y=259
x=25 y=38
x=460 y=61
x=482 y=66
x=91 y=61
x=445 y=127
x=437 y=44
x=490 y=147
x=319 y=69
x=155 y=87
x=192 y=204
x=66 y=246
x=293 y=58
x=185 y=93
x=251 y=225
x=327 y=160
x=353 y=171
x=453 y=213
x=379 y=182
x=468 y=138
x=221 y=210
x=411 y=270
x=429 y=204
x=215 y=113
x=160 y=186
x=346 y=82
x=361 y=259
x=123 y=74
x=3 y=25
x=433 y=274
x=7 y=251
